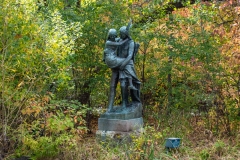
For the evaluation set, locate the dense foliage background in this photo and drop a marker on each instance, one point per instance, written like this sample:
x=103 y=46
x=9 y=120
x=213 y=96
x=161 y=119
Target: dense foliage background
x=54 y=84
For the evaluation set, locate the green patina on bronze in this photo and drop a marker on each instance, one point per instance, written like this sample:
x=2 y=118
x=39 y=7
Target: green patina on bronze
x=119 y=54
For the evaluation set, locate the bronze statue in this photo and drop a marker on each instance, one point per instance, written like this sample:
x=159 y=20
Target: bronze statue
x=118 y=55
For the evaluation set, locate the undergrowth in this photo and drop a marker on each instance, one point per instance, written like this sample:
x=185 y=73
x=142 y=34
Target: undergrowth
x=197 y=142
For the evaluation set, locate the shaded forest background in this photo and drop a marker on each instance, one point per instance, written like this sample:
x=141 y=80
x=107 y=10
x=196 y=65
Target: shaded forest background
x=54 y=84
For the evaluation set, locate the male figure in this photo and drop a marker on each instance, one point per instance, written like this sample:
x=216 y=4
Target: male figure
x=127 y=51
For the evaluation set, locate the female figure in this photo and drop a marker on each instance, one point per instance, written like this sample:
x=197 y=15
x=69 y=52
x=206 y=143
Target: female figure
x=110 y=53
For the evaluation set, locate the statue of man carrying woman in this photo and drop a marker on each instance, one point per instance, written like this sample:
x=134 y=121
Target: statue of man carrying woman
x=119 y=56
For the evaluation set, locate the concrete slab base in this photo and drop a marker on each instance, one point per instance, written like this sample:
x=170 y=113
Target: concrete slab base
x=117 y=137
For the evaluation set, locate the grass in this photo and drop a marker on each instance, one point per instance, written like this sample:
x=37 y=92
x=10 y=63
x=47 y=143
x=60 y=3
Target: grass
x=91 y=149
x=197 y=143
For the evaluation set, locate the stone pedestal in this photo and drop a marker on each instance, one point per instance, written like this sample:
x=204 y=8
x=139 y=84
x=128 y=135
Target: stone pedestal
x=120 y=124
x=105 y=124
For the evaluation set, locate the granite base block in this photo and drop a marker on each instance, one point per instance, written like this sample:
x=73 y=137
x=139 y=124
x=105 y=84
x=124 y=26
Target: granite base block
x=105 y=124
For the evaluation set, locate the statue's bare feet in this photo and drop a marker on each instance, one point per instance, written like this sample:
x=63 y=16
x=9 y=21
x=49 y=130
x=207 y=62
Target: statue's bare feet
x=110 y=109
x=123 y=107
x=132 y=87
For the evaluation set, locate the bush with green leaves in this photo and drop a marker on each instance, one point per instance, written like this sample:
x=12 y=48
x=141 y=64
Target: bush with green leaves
x=35 y=45
x=58 y=126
